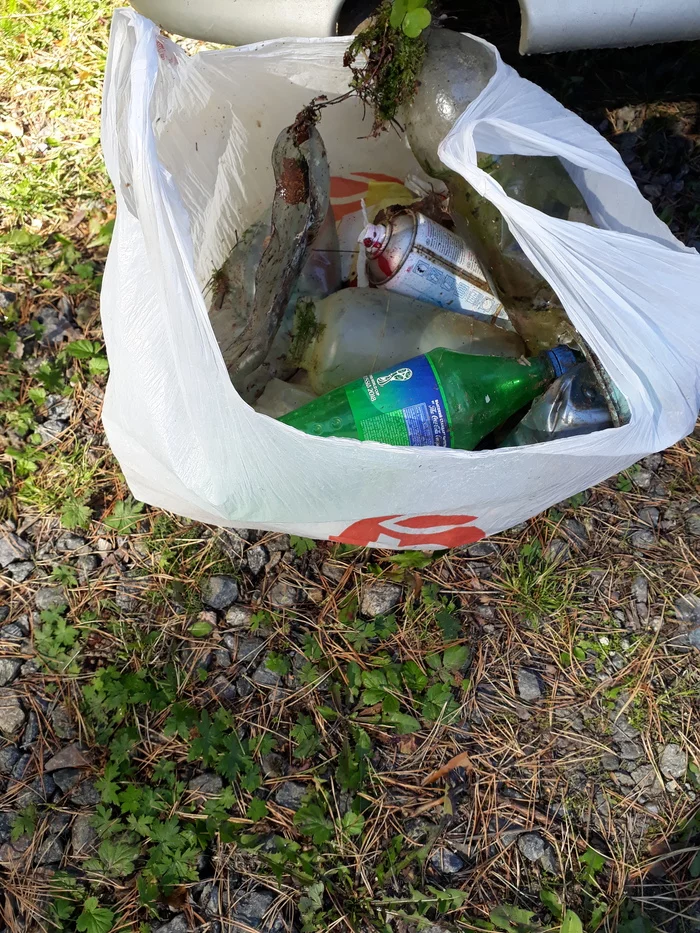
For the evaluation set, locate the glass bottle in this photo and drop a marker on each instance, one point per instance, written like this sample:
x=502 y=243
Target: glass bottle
x=455 y=71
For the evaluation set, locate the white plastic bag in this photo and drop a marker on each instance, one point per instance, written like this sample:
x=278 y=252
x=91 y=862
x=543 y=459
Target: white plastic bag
x=187 y=143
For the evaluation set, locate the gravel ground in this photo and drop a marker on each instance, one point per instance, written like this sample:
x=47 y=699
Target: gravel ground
x=218 y=731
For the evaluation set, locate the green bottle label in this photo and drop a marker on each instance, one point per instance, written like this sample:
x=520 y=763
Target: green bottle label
x=403 y=405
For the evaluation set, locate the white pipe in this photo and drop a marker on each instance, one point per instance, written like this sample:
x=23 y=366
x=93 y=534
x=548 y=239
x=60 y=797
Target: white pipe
x=547 y=25
x=238 y=22
x=557 y=25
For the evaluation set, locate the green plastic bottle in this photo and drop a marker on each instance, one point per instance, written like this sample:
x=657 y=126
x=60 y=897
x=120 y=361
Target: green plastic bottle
x=440 y=399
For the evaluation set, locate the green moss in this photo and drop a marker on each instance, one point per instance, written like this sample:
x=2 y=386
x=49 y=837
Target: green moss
x=306 y=328
x=392 y=61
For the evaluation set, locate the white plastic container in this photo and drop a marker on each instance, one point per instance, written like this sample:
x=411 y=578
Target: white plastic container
x=362 y=330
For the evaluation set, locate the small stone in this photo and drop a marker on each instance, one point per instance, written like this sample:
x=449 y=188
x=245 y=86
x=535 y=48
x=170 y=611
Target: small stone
x=250 y=910
x=49 y=597
x=86 y=795
x=11 y=853
x=278 y=543
x=83 y=836
x=224 y=689
x=31 y=730
x=694 y=638
x=688 y=608
x=69 y=757
x=11 y=632
x=264 y=677
x=21 y=766
x=245 y=649
x=57 y=822
x=610 y=762
x=178 y=924
x=557 y=551
x=39 y=790
x=446 y=861
x=222 y=659
x=86 y=565
x=208 y=616
x=12 y=548
x=51 y=429
x=419 y=829
x=128 y=593
x=692 y=521
x=207 y=784
x=219 y=591
x=649 y=516
x=481 y=549
x=9 y=756
x=642 y=479
x=530 y=686
x=575 y=532
x=62 y=723
x=70 y=542
x=21 y=570
x=273 y=765
x=283 y=595
x=7 y=819
x=49 y=851
x=58 y=327
x=238 y=617
x=290 y=795
x=333 y=571
x=642 y=539
x=66 y=779
x=378 y=599
x=532 y=846
x=673 y=761
x=9 y=669
x=646 y=781
x=639 y=591
x=256 y=558
x=549 y=860
x=12 y=716
x=630 y=751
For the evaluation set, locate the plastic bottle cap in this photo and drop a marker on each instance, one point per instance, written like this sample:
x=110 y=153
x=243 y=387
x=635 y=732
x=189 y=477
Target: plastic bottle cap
x=562 y=359
x=373 y=236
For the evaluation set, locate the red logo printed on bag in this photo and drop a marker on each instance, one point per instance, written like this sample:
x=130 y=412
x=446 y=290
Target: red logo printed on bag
x=412 y=531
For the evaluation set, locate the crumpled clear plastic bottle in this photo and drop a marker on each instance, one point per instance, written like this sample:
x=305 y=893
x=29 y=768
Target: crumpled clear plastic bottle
x=572 y=405
x=455 y=71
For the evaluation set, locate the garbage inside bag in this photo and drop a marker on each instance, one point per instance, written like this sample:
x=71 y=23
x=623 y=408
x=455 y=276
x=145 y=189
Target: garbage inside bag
x=620 y=289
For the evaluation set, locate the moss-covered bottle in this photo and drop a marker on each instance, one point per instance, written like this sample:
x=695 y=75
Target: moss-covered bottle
x=455 y=71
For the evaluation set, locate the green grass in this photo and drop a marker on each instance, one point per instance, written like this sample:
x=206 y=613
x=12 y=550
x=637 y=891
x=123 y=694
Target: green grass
x=52 y=58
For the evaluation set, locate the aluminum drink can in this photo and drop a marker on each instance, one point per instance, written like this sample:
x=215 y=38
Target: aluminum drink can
x=415 y=256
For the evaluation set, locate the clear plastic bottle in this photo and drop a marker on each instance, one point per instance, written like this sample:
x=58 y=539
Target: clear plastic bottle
x=360 y=330
x=455 y=71
x=572 y=405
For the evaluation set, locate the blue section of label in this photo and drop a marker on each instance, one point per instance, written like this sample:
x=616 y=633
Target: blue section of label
x=401 y=405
